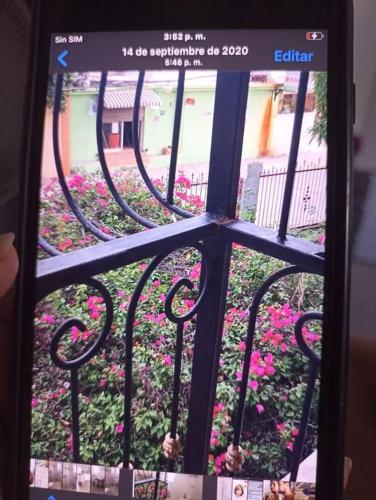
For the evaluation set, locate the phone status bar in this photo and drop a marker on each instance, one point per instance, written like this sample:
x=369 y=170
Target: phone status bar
x=236 y=50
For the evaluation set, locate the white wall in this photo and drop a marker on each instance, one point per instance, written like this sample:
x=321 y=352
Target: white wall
x=282 y=132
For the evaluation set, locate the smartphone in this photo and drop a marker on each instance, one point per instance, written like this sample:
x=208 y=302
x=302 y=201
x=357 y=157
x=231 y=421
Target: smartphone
x=184 y=243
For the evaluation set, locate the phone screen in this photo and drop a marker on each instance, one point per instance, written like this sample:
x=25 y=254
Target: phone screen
x=178 y=329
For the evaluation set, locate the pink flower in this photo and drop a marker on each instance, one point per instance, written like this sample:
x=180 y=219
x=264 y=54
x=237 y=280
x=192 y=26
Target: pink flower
x=120 y=373
x=269 y=370
x=260 y=409
x=294 y=432
x=103 y=382
x=156 y=283
x=242 y=346
x=34 y=402
x=86 y=334
x=167 y=360
x=239 y=375
x=75 y=334
x=70 y=443
x=63 y=245
x=219 y=461
x=48 y=318
x=214 y=442
x=269 y=359
x=184 y=181
x=281 y=427
x=253 y=384
x=100 y=188
x=121 y=293
x=75 y=181
x=189 y=303
x=119 y=428
x=284 y=347
x=290 y=445
x=218 y=408
x=102 y=203
x=195 y=272
x=67 y=217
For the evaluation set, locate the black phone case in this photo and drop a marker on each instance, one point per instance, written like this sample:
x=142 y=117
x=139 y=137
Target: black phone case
x=70 y=16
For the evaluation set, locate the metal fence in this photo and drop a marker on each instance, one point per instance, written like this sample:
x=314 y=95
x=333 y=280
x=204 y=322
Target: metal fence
x=308 y=202
x=213 y=235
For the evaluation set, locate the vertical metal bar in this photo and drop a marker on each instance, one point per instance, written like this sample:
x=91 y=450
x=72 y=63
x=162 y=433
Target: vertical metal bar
x=75 y=415
x=175 y=137
x=294 y=149
x=156 y=485
x=177 y=372
x=224 y=168
x=274 y=205
x=227 y=141
x=298 y=446
x=295 y=198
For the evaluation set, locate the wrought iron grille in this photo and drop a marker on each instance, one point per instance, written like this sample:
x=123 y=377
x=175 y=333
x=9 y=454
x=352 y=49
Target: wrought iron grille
x=212 y=235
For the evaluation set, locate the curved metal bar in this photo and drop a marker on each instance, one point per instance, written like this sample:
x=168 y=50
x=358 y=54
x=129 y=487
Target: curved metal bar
x=89 y=226
x=47 y=247
x=129 y=328
x=74 y=364
x=309 y=353
x=313 y=372
x=103 y=162
x=137 y=152
x=249 y=341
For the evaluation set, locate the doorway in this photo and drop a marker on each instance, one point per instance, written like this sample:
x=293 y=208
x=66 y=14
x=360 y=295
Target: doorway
x=128 y=141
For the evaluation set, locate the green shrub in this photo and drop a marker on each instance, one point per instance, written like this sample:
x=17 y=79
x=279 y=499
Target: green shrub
x=277 y=378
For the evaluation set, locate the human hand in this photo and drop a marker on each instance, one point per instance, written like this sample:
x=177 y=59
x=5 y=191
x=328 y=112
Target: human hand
x=8 y=262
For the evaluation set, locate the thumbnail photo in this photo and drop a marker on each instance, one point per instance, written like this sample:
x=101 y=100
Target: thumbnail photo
x=239 y=489
x=224 y=488
x=305 y=491
x=98 y=478
x=255 y=490
x=112 y=481
x=32 y=472
x=69 y=476
x=167 y=485
x=55 y=475
x=83 y=478
x=41 y=474
x=278 y=490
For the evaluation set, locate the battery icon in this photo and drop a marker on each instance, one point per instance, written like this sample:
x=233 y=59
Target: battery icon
x=314 y=35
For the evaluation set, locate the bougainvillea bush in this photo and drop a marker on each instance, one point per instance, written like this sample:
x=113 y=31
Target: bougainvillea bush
x=278 y=373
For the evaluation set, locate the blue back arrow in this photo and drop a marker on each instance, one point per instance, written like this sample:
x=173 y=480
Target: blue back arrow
x=61 y=58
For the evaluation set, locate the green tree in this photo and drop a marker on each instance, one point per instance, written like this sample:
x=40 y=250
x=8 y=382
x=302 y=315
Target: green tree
x=319 y=129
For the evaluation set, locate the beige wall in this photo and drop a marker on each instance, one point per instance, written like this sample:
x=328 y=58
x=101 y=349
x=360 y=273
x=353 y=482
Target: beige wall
x=48 y=161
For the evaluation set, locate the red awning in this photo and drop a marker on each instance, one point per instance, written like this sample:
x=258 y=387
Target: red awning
x=124 y=99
